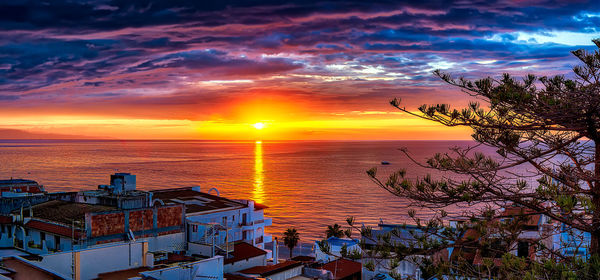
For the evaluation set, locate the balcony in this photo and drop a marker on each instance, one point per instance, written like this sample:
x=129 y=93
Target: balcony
x=268 y=238
x=256 y=224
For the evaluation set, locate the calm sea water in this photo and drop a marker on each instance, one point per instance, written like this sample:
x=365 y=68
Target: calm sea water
x=307 y=185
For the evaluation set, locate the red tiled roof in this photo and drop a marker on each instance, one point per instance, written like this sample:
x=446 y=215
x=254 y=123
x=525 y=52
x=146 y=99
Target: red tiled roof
x=533 y=218
x=268 y=270
x=243 y=251
x=53 y=228
x=304 y=259
x=5 y=220
x=122 y=274
x=258 y=206
x=343 y=268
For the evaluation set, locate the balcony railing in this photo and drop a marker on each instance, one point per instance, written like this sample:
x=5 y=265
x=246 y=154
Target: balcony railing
x=252 y=223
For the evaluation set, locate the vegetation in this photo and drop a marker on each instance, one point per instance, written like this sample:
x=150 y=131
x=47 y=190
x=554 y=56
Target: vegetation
x=290 y=239
x=334 y=231
x=544 y=134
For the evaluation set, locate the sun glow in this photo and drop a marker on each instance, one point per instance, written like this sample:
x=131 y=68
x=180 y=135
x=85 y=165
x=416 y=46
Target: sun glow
x=258 y=194
x=259 y=125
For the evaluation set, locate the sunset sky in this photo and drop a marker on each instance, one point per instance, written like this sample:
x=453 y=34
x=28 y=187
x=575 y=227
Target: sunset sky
x=305 y=69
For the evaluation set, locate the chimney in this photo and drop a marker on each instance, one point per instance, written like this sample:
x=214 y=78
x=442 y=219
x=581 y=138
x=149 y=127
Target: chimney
x=275 y=252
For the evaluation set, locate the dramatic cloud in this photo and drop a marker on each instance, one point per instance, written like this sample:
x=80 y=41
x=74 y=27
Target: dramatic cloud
x=198 y=60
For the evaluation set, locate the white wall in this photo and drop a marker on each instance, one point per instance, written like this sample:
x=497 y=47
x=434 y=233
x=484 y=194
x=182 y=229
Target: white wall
x=284 y=275
x=59 y=262
x=244 y=264
x=113 y=258
x=97 y=259
x=205 y=269
x=169 y=242
x=203 y=250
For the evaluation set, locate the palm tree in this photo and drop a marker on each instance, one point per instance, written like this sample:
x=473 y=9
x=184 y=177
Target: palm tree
x=290 y=239
x=334 y=231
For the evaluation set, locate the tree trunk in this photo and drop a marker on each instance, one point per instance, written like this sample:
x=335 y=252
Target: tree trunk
x=595 y=233
x=291 y=250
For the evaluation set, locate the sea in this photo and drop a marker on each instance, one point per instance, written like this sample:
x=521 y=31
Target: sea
x=307 y=185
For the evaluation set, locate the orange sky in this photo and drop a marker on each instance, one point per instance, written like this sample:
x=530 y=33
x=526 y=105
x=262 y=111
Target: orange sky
x=308 y=71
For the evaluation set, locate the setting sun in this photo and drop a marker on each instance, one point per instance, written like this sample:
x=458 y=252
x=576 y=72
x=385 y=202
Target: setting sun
x=259 y=125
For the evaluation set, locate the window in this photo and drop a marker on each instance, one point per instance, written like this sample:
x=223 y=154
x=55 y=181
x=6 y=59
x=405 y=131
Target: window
x=57 y=242
x=225 y=221
x=233 y=218
x=42 y=236
x=195 y=228
x=243 y=218
x=523 y=249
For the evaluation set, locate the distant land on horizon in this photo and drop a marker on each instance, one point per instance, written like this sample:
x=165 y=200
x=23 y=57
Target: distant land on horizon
x=16 y=134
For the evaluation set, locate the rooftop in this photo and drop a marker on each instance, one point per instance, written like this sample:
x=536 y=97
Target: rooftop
x=65 y=212
x=61 y=230
x=175 y=258
x=399 y=233
x=195 y=201
x=126 y=274
x=27 y=270
x=268 y=270
x=532 y=217
x=339 y=242
x=16 y=181
x=243 y=251
x=229 y=276
x=21 y=185
x=304 y=259
x=342 y=268
x=5 y=219
x=258 y=206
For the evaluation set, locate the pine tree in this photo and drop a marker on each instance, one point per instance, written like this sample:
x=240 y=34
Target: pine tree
x=548 y=125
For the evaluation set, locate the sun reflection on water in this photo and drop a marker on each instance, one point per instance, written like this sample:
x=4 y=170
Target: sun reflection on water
x=258 y=194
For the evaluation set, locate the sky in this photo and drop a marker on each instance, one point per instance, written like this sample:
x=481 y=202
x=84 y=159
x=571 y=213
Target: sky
x=306 y=70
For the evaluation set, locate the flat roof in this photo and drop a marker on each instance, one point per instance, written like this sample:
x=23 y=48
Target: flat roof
x=17 y=181
x=65 y=212
x=195 y=201
x=123 y=274
x=334 y=241
x=268 y=270
x=10 y=252
x=29 y=270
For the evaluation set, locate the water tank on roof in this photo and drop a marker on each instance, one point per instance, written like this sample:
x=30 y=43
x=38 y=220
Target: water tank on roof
x=122 y=182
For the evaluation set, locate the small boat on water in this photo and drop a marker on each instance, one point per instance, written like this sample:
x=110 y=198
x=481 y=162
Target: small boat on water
x=385 y=163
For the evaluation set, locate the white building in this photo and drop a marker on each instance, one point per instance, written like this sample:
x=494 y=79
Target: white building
x=211 y=216
x=335 y=247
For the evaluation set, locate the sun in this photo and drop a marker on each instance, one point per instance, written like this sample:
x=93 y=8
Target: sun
x=259 y=125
